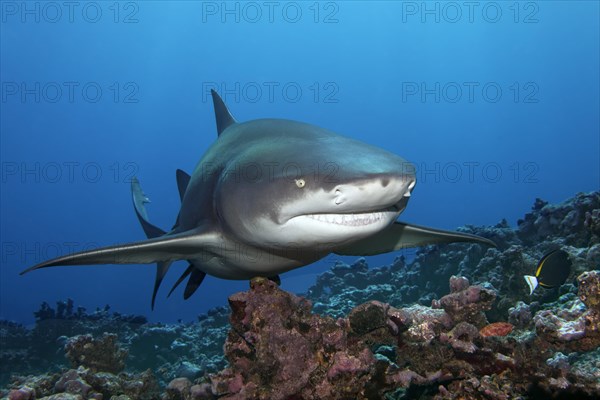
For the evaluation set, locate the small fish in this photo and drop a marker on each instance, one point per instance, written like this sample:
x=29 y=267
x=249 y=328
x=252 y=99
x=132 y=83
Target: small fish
x=552 y=271
x=496 y=329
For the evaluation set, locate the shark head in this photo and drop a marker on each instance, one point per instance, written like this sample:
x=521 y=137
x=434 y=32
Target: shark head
x=308 y=187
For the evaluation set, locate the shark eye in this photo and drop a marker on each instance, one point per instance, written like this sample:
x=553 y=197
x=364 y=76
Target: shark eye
x=300 y=183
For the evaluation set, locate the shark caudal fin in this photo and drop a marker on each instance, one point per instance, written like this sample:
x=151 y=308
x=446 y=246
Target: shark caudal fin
x=401 y=236
x=139 y=201
x=163 y=249
x=139 y=205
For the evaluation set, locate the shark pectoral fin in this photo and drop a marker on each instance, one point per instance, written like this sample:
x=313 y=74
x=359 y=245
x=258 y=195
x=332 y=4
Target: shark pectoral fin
x=400 y=236
x=139 y=201
x=161 y=270
x=179 y=246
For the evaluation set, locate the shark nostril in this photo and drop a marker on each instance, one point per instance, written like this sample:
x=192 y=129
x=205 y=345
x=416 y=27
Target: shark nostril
x=338 y=197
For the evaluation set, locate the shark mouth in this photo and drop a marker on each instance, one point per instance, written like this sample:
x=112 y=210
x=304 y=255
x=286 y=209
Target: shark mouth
x=355 y=219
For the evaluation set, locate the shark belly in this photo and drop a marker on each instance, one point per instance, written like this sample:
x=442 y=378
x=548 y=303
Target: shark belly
x=234 y=260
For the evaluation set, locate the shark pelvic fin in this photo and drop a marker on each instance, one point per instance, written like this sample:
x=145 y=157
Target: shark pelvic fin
x=185 y=274
x=196 y=278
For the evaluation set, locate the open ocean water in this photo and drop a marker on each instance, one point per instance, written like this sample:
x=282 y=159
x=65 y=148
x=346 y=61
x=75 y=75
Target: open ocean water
x=496 y=103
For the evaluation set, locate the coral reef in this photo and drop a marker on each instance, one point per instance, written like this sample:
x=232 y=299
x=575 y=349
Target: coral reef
x=278 y=349
x=392 y=332
x=103 y=354
x=573 y=225
x=171 y=351
x=82 y=383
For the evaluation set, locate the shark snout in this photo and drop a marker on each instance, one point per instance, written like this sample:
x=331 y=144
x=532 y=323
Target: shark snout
x=373 y=194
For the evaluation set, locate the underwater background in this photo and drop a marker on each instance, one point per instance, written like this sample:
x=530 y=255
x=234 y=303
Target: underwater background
x=496 y=103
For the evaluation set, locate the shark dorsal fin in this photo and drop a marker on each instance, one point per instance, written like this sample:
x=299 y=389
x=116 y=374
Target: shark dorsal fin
x=222 y=114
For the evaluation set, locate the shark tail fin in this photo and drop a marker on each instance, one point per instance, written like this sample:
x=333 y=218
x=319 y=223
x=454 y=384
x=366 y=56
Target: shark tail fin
x=196 y=276
x=139 y=205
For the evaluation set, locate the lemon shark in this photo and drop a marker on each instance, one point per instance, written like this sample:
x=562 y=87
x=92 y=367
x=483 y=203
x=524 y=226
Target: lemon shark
x=272 y=195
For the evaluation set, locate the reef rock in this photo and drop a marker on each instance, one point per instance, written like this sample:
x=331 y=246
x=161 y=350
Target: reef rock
x=103 y=354
x=574 y=325
x=277 y=349
x=466 y=303
x=85 y=384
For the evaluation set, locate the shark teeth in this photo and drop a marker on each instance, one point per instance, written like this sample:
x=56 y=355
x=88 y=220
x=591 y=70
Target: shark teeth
x=349 y=219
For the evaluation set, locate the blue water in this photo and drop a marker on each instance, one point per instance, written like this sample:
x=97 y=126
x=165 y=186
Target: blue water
x=496 y=103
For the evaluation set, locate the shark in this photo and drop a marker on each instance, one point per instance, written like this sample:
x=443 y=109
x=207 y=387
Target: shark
x=272 y=195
